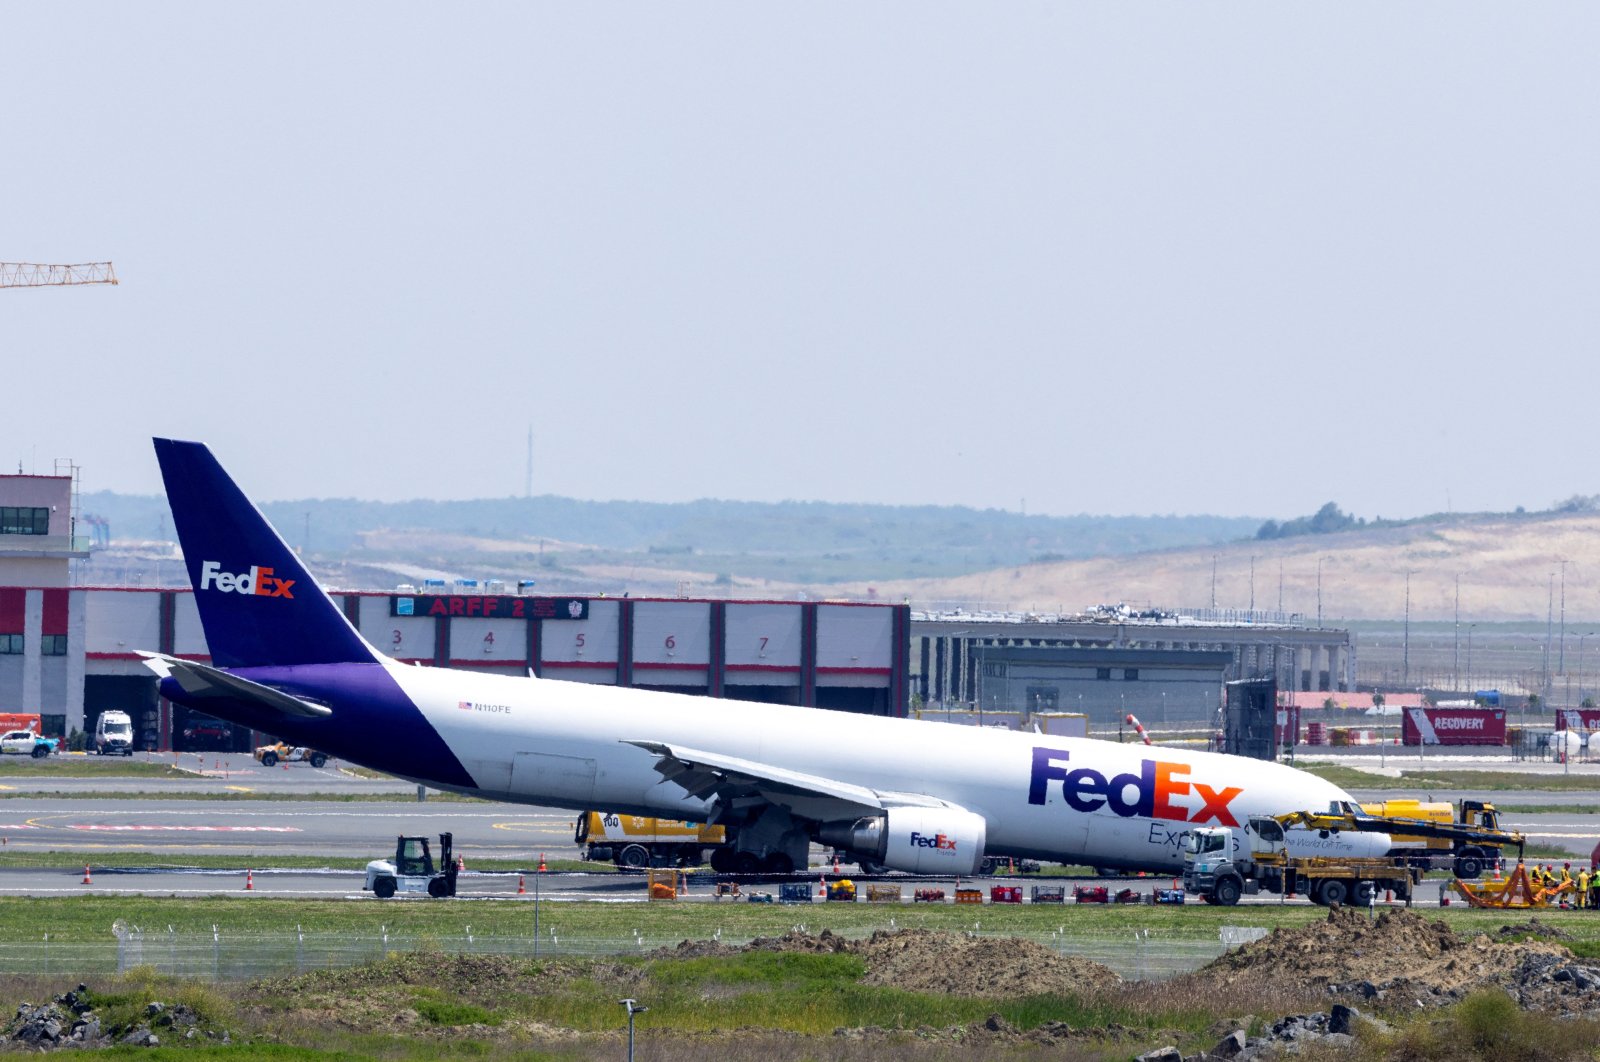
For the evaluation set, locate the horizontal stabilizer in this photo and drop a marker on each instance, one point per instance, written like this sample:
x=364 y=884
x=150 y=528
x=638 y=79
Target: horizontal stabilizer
x=204 y=683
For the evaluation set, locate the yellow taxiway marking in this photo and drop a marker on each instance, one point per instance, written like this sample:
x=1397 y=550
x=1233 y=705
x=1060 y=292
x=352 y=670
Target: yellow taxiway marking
x=7 y=787
x=556 y=828
x=239 y=788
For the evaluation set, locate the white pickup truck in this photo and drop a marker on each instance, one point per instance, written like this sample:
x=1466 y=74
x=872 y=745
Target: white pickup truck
x=26 y=743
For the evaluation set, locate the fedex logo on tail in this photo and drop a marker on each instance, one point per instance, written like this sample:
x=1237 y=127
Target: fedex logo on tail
x=943 y=842
x=1148 y=794
x=257 y=582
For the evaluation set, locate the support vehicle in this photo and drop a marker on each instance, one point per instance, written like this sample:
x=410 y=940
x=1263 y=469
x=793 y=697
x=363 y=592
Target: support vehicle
x=1222 y=863
x=271 y=755
x=27 y=743
x=1466 y=854
x=412 y=872
x=113 y=734
x=634 y=842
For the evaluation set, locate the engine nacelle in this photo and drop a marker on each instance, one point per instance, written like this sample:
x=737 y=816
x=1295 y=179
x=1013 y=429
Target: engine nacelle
x=917 y=840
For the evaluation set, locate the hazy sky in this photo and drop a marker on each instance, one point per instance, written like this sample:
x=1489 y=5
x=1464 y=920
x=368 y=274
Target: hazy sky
x=1164 y=257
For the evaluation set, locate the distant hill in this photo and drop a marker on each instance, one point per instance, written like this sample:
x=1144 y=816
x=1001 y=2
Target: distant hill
x=1510 y=569
x=789 y=542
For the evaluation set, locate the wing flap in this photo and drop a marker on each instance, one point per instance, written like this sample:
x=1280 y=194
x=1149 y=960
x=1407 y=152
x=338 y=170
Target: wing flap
x=737 y=782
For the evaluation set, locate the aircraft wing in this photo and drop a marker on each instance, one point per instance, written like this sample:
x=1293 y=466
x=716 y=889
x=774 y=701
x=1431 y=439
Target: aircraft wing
x=203 y=682
x=738 y=783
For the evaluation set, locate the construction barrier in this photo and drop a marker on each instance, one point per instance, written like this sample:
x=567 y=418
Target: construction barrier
x=928 y=896
x=1090 y=894
x=663 y=883
x=883 y=894
x=1005 y=894
x=969 y=896
x=1049 y=894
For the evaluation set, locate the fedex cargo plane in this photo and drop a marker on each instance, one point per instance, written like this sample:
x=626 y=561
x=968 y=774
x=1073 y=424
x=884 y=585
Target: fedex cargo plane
x=903 y=794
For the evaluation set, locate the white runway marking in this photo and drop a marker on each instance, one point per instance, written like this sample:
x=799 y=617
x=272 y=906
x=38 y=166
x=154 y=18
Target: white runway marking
x=195 y=829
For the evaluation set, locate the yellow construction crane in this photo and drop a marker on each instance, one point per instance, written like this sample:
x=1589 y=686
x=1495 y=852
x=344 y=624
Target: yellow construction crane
x=33 y=275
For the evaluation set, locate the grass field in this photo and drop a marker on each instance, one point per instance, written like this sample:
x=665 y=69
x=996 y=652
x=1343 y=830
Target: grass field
x=90 y=917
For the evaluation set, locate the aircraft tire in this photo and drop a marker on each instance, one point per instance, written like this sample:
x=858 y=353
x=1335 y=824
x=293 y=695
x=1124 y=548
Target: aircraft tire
x=868 y=867
x=383 y=888
x=777 y=863
x=1227 y=890
x=746 y=863
x=634 y=857
x=722 y=861
x=318 y=759
x=269 y=759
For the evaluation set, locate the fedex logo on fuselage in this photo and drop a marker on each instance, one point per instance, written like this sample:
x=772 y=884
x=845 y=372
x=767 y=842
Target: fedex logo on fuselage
x=1152 y=790
x=941 y=841
x=258 y=582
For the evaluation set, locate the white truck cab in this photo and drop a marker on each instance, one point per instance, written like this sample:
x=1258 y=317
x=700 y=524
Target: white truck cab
x=113 y=734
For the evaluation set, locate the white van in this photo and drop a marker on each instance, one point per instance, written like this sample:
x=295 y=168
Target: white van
x=113 y=734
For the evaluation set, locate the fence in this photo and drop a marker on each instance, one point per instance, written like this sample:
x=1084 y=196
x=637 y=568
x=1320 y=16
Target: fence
x=220 y=955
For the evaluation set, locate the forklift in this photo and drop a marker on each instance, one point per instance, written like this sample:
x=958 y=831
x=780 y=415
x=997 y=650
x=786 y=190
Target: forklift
x=412 y=871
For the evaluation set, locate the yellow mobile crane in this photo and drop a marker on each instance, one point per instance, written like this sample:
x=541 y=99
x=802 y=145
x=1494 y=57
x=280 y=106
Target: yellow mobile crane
x=1478 y=839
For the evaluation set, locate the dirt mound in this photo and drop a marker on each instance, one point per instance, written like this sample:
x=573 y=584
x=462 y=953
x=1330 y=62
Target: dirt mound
x=1398 y=957
x=1532 y=928
x=923 y=961
x=920 y=960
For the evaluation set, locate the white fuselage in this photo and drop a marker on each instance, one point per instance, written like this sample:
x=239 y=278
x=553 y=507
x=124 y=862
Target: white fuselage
x=564 y=744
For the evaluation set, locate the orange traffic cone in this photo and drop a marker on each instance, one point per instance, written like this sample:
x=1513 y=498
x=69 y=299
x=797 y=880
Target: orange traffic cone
x=541 y=863
x=249 y=880
x=86 y=879
x=822 y=886
x=461 y=863
x=522 y=886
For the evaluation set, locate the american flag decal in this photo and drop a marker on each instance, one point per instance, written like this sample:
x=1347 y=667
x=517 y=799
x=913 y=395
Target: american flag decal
x=464 y=705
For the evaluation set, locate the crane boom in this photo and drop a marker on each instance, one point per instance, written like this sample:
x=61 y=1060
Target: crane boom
x=1351 y=817
x=34 y=275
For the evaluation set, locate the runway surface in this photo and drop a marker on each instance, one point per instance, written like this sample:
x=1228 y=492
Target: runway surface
x=252 y=833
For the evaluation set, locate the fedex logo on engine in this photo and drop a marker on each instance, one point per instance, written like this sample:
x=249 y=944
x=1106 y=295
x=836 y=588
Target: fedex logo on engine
x=1148 y=794
x=941 y=841
x=257 y=582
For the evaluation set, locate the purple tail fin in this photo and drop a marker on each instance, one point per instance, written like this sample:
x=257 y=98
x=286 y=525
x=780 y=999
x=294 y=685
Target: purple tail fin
x=258 y=605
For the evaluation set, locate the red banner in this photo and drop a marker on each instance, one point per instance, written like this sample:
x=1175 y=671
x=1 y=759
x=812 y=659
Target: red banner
x=1453 y=726
x=1578 y=719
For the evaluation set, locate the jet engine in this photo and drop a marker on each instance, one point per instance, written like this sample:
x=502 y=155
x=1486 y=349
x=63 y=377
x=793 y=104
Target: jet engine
x=916 y=840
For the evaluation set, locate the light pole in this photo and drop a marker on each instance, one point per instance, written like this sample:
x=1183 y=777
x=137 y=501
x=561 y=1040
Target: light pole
x=1470 y=685
x=633 y=1008
x=1581 y=637
x=1405 y=653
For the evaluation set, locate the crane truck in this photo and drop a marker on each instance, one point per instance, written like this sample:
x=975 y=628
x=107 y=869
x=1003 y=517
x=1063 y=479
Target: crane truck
x=1467 y=856
x=1220 y=866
